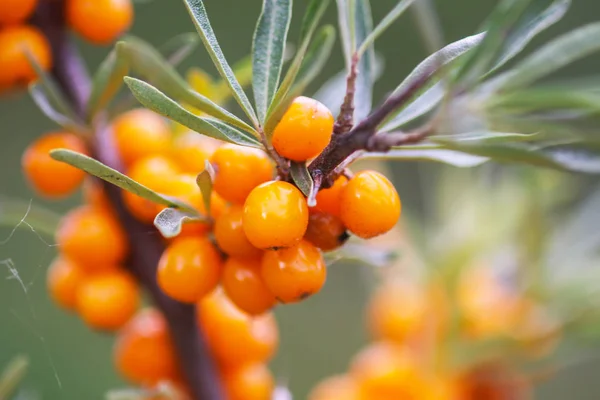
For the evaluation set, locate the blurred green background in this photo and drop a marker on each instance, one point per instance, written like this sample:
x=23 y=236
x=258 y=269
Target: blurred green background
x=318 y=336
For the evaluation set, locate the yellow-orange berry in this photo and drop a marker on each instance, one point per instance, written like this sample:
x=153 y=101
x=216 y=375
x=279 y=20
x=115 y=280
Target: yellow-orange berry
x=49 y=177
x=370 y=204
x=94 y=195
x=15 y=42
x=326 y=231
x=329 y=200
x=275 y=215
x=92 y=238
x=243 y=284
x=189 y=269
x=304 y=131
x=155 y=172
x=230 y=236
x=16 y=11
x=64 y=278
x=294 y=273
x=234 y=337
x=140 y=133
x=144 y=353
x=340 y=387
x=108 y=300
x=239 y=170
x=249 y=382
x=99 y=21
x=192 y=150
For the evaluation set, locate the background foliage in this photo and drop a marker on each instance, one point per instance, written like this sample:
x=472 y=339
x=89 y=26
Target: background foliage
x=313 y=343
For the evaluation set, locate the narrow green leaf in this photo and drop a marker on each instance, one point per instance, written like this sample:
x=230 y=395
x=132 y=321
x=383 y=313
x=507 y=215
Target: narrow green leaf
x=385 y=23
x=483 y=137
x=40 y=98
x=169 y=221
x=313 y=15
x=107 y=81
x=368 y=255
x=13 y=212
x=199 y=16
x=267 y=52
x=363 y=97
x=179 y=47
x=152 y=98
x=553 y=56
x=205 y=180
x=344 y=17
x=96 y=168
x=420 y=106
x=12 y=375
x=414 y=153
x=313 y=63
x=302 y=178
x=149 y=63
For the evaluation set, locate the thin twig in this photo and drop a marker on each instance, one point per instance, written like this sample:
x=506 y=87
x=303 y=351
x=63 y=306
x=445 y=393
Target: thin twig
x=345 y=119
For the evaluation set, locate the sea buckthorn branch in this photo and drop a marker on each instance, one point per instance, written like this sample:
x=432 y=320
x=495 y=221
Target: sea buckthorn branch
x=344 y=121
x=145 y=243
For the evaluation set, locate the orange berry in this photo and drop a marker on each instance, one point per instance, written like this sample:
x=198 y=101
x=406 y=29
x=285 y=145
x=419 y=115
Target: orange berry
x=275 y=215
x=370 y=204
x=15 y=42
x=230 y=236
x=385 y=371
x=155 y=172
x=92 y=238
x=140 y=133
x=396 y=311
x=192 y=150
x=340 y=387
x=144 y=352
x=99 y=21
x=64 y=278
x=108 y=301
x=49 y=177
x=94 y=195
x=294 y=273
x=329 y=200
x=326 y=231
x=243 y=284
x=16 y=11
x=239 y=169
x=189 y=269
x=234 y=337
x=249 y=382
x=304 y=131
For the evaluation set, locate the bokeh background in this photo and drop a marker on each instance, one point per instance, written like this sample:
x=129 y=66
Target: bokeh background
x=68 y=361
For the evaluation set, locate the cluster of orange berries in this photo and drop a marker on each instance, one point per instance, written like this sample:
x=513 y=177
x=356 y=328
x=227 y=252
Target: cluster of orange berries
x=409 y=357
x=98 y=21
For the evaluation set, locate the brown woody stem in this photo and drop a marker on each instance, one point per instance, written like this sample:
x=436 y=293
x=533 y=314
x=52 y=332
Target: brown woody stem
x=346 y=117
x=146 y=246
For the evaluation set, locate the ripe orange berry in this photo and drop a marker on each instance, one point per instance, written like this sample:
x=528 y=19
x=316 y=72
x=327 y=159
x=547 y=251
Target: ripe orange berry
x=340 y=387
x=230 y=236
x=326 y=231
x=243 y=284
x=15 y=42
x=238 y=170
x=370 y=204
x=304 y=131
x=294 y=273
x=329 y=200
x=64 y=278
x=234 y=337
x=94 y=195
x=192 y=150
x=144 y=352
x=49 y=177
x=140 y=133
x=16 y=11
x=385 y=371
x=275 y=215
x=155 y=172
x=91 y=238
x=108 y=300
x=189 y=269
x=99 y=21
x=249 y=382
x=396 y=311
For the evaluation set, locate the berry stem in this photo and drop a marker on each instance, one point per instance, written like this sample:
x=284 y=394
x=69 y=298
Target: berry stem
x=145 y=243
